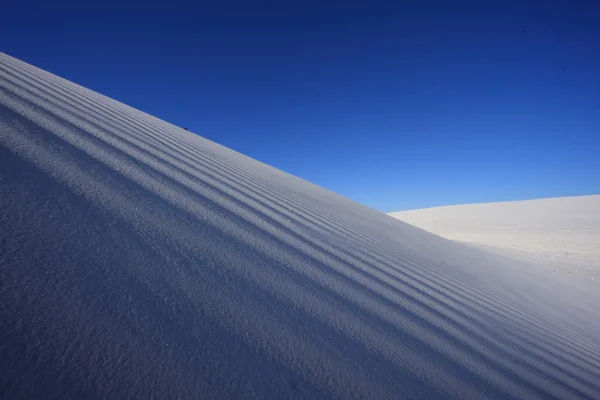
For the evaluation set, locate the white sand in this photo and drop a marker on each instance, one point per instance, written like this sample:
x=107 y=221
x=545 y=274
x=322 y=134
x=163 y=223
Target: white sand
x=139 y=260
x=560 y=234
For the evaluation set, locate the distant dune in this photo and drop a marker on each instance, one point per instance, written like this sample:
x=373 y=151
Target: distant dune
x=140 y=261
x=560 y=233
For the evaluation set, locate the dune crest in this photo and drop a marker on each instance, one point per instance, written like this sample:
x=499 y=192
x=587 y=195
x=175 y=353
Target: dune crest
x=559 y=234
x=139 y=260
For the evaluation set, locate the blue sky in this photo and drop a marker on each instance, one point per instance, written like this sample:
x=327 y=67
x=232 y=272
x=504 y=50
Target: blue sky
x=395 y=106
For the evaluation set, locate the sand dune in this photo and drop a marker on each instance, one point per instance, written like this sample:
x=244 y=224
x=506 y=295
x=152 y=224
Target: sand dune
x=139 y=260
x=561 y=234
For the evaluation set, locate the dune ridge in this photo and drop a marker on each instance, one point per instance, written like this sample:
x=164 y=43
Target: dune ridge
x=142 y=261
x=559 y=234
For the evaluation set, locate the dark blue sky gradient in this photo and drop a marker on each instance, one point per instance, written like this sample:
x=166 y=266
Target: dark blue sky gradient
x=396 y=106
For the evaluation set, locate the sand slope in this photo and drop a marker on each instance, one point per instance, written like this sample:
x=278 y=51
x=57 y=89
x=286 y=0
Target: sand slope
x=562 y=234
x=141 y=261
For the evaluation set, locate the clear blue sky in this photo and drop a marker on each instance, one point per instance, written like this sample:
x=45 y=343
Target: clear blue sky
x=395 y=106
